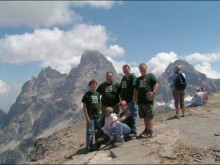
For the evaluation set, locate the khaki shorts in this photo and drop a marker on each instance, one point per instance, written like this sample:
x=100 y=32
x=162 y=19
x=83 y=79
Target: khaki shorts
x=146 y=111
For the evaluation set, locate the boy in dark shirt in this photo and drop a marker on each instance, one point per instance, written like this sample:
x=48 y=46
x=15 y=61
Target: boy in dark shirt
x=92 y=111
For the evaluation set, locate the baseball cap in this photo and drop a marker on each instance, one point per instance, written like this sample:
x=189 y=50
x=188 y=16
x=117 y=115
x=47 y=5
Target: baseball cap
x=123 y=102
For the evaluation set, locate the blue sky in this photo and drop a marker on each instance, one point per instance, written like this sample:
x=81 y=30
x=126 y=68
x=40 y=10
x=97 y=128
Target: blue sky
x=34 y=35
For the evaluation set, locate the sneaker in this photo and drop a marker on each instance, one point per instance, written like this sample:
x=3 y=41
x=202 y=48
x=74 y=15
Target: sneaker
x=112 y=139
x=183 y=116
x=118 y=143
x=88 y=150
x=134 y=132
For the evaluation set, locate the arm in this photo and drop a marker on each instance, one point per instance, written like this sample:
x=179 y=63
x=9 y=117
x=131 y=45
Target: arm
x=155 y=89
x=135 y=94
x=118 y=119
x=86 y=113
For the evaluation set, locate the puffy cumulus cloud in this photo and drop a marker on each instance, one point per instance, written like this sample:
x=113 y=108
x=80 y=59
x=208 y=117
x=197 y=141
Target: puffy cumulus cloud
x=36 y=13
x=159 y=63
x=8 y=94
x=119 y=64
x=197 y=57
x=203 y=62
x=97 y=4
x=206 y=68
x=56 y=48
x=4 y=87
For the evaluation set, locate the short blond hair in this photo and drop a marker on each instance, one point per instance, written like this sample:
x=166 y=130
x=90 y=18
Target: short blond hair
x=109 y=109
x=126 y=66
x=178 y=68
x=143 y=65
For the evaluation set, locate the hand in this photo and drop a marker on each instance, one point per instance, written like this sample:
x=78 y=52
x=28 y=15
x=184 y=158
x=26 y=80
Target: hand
x=150 y=95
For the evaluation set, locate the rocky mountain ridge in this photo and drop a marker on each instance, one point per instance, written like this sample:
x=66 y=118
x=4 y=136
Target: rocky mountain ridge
x=48 y=100
x=52 y=101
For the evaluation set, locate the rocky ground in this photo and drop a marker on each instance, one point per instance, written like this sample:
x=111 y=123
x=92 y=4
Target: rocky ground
x=189 y=139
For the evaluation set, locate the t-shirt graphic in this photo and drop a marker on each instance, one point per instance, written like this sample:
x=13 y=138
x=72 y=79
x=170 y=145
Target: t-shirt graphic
x=143 y=83
x=124 y=84
x=108 y=89
x=94 y=99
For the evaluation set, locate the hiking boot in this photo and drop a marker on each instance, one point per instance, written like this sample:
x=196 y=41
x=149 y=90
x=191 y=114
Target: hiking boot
x=176 y=117
x=145 y=131
x=147 y=134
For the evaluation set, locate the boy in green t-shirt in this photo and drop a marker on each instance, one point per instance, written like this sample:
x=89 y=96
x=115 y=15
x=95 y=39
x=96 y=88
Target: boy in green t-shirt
x=92 y=111
x=146 y=88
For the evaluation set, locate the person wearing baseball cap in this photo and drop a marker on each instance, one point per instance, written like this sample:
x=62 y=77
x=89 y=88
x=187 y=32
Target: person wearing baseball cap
x=123 y=124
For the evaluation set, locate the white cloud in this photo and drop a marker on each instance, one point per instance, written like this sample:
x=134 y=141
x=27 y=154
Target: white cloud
x=8 y=94
x=197 y=57
x=159 y=63
x=57 y=48
x=45 y=13
x=119 y=64
x=203 y=62
x=4 y=87
x=206 y=68
x=97 y=4
x=36 y=13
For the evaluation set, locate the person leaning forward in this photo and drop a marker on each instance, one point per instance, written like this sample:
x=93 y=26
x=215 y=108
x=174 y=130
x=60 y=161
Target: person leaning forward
x=109 y=92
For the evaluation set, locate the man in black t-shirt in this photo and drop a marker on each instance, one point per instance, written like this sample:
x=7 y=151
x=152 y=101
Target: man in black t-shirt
x=127 y=93
x=109 y=92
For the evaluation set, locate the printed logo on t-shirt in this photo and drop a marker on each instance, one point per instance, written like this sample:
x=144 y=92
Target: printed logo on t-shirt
x=95 y=99
x=108 y=89
x=142 y=83
x=124 y=84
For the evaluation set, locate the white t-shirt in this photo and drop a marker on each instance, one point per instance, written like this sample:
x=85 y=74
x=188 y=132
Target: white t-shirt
x=108 y=121
x=198 y=98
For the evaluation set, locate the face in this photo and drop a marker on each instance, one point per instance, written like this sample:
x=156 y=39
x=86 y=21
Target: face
x=123 y=107
x=109 y=78
x=93 y=87
x=126 y=70
x=108 y=113
x=143 y=70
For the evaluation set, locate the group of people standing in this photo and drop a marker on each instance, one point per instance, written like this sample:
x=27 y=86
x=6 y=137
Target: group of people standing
x=132 y=97
x=102 y=106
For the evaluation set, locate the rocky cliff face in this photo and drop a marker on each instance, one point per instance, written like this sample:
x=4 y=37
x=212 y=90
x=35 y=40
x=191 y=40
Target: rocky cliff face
x=194 y=80
x=47 y=100
x=52 y=98
x=2 y=114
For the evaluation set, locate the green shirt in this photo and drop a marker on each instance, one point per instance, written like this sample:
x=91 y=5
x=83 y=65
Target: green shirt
x=92 y=101
x=110 y=93
x=127 y=87
x=145 y=84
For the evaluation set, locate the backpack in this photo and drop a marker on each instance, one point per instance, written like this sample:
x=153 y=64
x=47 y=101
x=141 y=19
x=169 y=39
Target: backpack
x=180 y=82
